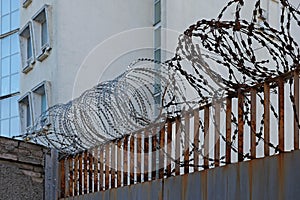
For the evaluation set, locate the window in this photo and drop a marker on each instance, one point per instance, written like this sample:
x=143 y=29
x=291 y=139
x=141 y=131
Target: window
x=27 y=48
x=41 y=30
x=26 y=3
x=41 y=102
x=25 y=113
x=9 y=122
x=157 y=11
x=10 y=20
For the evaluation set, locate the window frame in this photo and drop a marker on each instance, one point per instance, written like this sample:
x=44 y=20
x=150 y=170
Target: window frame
x=42 y=88
x=42 y=16
x=26 y=3
x=25 y=33
x=25 y=102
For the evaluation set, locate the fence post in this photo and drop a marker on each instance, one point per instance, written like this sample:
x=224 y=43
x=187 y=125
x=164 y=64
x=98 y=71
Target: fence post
x=161 y=152
x=90 y=172
x=253 y=123
x=85 y=173
x=266 y=118
x=125 y=158
x=146 y=155
x=80 y=174
x=132 y=164
x=107 y=168
x=296 y=104
x=240 y=126
x=177 y=145
x=62 y=178
x=186 y=141
x=281 y=114
x=76 y=175
x=96 y=169
x=113 y=165
x=228 y=129
x=71 y=179
x=169 y=146
x=217 y=132
x=119 y=164
x=206 y=137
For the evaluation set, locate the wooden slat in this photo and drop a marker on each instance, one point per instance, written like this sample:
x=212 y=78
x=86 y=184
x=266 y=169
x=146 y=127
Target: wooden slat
x=76 y=175
x=161 y=152
x=101 y=168
x=62 y=178
x=96 y=169
x=186 y=142
x=281 y=114
x=132 y=164
x=206 y=137
x=296 y=104
x=253 y=123
x=90 y=172
x=85 y=172
x=177 y=145
x=169 y=147
x=153 y=155
x=266 y=118
x=113 y=165
x=228 y=129
x=125 y=158
x=196 y=139
x=139 y=158
x=119 y=164
x=107 y=167
x=217 y=133
x=71 y=178
x=80 y=174
x=240 y=126
x=146 y=156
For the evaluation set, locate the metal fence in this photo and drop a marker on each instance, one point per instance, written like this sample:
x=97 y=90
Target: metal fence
x=206 y=137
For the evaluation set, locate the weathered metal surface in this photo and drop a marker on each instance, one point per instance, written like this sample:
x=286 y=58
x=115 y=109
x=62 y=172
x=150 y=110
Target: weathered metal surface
x=206 y=136
x=161 y=153
x=281 y=114
x=266 y=118
x=217 y=133
x=186 y=142
x=196 y=141
x=169 y=147
x=276 y=177
x=90 y=172
x=240 y=126
x=228 y=129
x=296 y=104
x=125 y=163
x=253 y=123
x=119 y=164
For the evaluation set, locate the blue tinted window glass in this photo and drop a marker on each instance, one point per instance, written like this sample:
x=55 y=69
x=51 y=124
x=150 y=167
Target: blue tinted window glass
x=5 y=47
x=14 y=108
x=15 y=4
x=15 y=83
x=5 y=7
x=15 y=63
x=5 y=66
x=5 y=104
x=5 y=25
x=5 y=86
x=15 y=20
x=14 y=126
x=14 y=41
x=5 y=127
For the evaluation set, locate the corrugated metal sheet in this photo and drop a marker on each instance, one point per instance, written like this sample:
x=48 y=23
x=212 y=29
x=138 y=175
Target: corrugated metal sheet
x=276 y=177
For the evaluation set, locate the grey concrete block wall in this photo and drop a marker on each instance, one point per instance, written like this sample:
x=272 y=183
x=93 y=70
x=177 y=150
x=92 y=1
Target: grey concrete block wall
x=21 y=170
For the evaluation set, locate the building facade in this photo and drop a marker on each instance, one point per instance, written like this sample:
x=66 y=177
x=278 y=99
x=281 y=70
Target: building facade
x=9 y=67
x=69 y=46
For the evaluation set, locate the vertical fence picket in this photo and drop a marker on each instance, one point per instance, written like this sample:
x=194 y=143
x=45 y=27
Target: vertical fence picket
x=85 y=173
x=131 y=163
x=62 y=178
x=253 y=123
x=80 y=174
x=107 y=167
x=169 y=147
x=281 y=114
x=71 y=178
x=196 y=138
x=113 y=165
x=296 y=112
x=125 y=158
x=90 y=174
x=177 y=145
x=161 y=152
x=76 y=175
x=186 y=142
x=119 y=164
x=266 y=119
x=146 y=155
x=139 y=158
x=240 y=126
x=96 y=169
x=101 y=168
x=206 y=137
x=228 y=129
x=217 y=132
x=154 y=154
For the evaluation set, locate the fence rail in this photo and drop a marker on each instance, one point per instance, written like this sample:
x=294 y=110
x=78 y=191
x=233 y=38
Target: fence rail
x=206 y=137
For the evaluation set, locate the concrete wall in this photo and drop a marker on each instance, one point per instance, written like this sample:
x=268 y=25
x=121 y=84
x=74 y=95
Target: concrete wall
x=275 y=177
x=21 y=170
